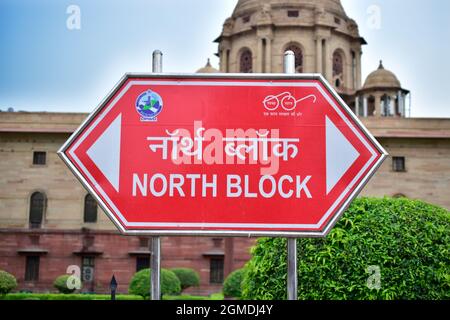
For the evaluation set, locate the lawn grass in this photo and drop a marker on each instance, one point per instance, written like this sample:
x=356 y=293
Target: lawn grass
x=185 y=297
x=214 y=296
x=59 y=296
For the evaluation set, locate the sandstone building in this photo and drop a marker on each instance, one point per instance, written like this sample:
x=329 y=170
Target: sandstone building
x=49 y=222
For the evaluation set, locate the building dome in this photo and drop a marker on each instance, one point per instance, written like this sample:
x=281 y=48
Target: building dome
x=381 y=96
x=324 y=39
x=382 y=78
x=332 y=6
x=208 y=68
x=250 y=14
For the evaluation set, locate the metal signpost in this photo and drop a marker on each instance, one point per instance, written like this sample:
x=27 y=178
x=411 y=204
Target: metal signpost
x=292 y=279
x=275 y=155
x=155 y=246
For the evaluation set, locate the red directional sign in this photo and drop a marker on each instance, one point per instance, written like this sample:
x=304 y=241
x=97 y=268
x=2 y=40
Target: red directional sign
x=223 y=155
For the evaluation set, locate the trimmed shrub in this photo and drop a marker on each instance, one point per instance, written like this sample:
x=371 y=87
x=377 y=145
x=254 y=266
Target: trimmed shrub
x=7 y=282
x=232 y=287
x=61 y=284
x=407 y=241
x=188 y=277
x=140 y=283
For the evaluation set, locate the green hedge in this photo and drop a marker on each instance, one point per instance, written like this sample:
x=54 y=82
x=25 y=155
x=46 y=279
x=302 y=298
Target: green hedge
x=61 y=284
x=188 y=277
x=140 y=283
x=232 y=286
x=7 y=282
x=59 y=296
x=409 y=241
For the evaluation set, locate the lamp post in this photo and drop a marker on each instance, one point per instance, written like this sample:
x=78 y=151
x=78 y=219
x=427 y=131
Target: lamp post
x=113 y=287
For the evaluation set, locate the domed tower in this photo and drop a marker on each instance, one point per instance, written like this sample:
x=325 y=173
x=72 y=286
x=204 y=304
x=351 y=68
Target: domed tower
x=324 y=39
x=208 y=68
x=382 y=95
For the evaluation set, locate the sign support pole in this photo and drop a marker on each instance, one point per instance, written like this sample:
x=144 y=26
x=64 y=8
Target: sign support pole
x=155 y=261
x=292 y=281
x=155 y=266
x=292 y=269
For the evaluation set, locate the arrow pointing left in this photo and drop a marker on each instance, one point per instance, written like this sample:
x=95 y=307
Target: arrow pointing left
x=105 y=152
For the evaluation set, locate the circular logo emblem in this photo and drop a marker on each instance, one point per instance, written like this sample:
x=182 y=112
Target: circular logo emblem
x=149 y=104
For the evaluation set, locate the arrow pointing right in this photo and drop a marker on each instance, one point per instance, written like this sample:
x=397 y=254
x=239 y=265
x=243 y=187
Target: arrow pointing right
x=340 y=154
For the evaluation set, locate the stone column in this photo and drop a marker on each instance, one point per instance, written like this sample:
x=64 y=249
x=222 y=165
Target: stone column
x=358 y=69
x=224 y=61
x=328 y=61
x=348 y=77
x=268 y=55
x=392 y=106
x=401 y=104
x=365 y=111
x=319 y=54
x=357 y=106
x=221 y=60
x=259 y=56
x=378 y=110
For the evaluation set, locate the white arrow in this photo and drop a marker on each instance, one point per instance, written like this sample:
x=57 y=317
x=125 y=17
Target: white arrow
x=105 y=152
x=340 y=154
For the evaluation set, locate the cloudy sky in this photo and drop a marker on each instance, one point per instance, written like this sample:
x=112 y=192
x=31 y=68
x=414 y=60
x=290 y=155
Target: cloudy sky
x=47 y=64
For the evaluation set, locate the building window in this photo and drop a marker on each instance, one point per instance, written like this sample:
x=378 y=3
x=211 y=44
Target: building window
x=337 y=83
x=371 y=110
x=87 y=269
x=39 y=158
x=338 y=70
x=142 y=263
x=360 y=110
x=32 y=268
x=264 y=56
x=298 y=56
x=398 y=164
x=216 y=271
x=337 y=20
x=37 y=207
x=293 y=13
x=246 y=62
x=246 y=19
x=90 y=209
x=338 y=64
x=387 y=106
x=144 y=243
